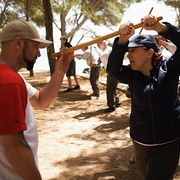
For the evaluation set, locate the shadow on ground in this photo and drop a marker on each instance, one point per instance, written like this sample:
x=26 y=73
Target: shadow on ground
x=113 y=160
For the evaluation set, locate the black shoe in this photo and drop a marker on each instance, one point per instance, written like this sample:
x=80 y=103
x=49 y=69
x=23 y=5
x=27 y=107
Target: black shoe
x=128 y=93
x=111 y=109
x=68 y=90
x=77 y=87
x=92 y=94
x=118 y=104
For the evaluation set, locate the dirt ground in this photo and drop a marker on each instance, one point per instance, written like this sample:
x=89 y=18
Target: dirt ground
x=78 y=141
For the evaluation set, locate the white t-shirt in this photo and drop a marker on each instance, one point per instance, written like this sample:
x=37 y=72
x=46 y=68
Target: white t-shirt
x=31 y=136
x=105 y=55
x=91 y=53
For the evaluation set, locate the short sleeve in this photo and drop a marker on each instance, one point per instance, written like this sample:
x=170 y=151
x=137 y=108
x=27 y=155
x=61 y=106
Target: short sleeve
x=12 y=108
x=31 y=90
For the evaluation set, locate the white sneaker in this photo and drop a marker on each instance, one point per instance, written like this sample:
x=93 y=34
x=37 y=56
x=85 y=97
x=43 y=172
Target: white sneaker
x=94 y=97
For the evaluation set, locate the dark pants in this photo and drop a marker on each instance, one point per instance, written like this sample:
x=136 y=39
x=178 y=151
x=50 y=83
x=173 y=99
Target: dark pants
x=94 y=80
x=72 y=69
x=112 y=99
x=157 y=162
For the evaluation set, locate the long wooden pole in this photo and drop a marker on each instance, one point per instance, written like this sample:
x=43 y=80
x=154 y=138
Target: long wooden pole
x=96 y=40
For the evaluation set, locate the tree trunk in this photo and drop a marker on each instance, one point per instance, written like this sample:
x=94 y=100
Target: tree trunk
x=49 y=32
x=63 y=23
x=31 y=73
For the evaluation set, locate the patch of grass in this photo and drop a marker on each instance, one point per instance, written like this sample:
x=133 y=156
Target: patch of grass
x=102 y=71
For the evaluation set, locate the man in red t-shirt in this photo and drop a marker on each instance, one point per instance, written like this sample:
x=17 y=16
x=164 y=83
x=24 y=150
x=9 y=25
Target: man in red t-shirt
x=18 y=132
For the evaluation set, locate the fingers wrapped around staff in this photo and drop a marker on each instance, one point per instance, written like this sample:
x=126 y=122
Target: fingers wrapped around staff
x=126 y=29
x=149 y=21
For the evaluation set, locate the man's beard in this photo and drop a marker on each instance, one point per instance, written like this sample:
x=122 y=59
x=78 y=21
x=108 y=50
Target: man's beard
x=29 y=63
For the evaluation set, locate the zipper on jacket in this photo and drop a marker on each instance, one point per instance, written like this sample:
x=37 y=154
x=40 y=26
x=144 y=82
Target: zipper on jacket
x=152 y=116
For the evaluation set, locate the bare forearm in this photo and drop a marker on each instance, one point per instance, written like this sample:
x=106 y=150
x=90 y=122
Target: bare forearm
x=20 y=156
x=48 y=93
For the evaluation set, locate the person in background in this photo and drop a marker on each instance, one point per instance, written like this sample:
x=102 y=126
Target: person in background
x=18 y=132
x=111 y=83
x=155 y=105
x=92 y=58
x=72 y=67
x=166 y=44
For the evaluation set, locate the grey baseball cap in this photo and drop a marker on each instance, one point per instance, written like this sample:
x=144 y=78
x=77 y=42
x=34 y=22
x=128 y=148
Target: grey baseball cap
x=25 y=30
x=141 y=40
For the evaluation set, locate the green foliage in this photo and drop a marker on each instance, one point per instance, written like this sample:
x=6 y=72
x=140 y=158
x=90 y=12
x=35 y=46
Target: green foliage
x=173 y=3
x=63 y=6
x=7 y=12
x=103 y=71
x=176 y=5
x=73 y=14
x=86 y=70
x=102 y=11
x=21 y=9
x=32 y=10
x=38 y=17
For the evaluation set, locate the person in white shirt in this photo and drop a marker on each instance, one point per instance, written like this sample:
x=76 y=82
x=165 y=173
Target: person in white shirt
x=92 y=57
x=111 y=83
x=166 y=46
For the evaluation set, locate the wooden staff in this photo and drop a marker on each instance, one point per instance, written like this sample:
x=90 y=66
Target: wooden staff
x=142 y=27
x=96 y=40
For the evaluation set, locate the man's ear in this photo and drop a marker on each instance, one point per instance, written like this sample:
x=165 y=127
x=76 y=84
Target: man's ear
x=18 y=42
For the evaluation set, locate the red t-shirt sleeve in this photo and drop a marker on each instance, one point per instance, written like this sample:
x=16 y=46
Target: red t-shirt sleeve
x=13 y=103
